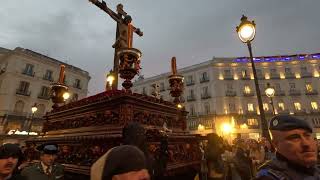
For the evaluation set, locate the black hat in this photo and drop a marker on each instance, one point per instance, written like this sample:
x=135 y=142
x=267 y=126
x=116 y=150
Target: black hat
x=48 y=148
x=118 y=160
x=10 y=150
x=286 y=123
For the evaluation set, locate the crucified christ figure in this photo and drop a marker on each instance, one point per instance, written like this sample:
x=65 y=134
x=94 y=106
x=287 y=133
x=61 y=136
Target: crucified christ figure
x=124 y=27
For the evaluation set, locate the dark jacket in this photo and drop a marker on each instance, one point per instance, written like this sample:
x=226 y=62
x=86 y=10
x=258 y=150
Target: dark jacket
x=16 y=177
x=281 y=169
x=36 y=172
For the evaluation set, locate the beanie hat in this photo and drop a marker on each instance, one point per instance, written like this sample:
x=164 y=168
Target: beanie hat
x=118 y=160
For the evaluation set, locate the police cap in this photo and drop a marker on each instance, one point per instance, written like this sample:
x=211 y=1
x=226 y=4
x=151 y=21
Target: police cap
x=287 y=123
x=10 y=150
x=48 y=148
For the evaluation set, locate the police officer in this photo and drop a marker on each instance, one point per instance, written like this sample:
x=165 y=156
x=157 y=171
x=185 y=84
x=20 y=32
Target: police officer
x=46 y=169
x=296 y=151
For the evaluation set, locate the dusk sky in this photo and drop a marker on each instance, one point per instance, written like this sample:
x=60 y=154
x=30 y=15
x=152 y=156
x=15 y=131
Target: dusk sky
x=77 y=32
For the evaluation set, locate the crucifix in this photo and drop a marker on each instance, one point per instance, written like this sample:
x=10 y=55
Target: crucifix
x=124 y=33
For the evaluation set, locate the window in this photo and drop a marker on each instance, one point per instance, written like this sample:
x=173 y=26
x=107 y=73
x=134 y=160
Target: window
x=287 y=70
x=18 y=107
x=281 y=106
x=192 y=110
x=206 y=108
x=229 y=87
x=292 y=85
x=205 y=90
x=303 y=69
x=247 y=89
x=253 y=122
x=265 y=106
x=314 y=105
x=77 y=83
x=232 y=107
x=277 y=86
x=24 y=86
x=297 y=106
x=273 y=71
x=162 y=86
x=204 y=77
x=74 y=97
x=250 y=107
x=244 y=73
x=48 y=75
x=259 y=72
x=227 y=72
x=191 y=93
x=144 y=91
x=309 y=87
x=44 y=91
x=28 y=69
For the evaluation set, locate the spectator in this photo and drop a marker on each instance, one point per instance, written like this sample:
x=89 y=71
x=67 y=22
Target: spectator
x=10 y=154
x=47 y=168
x=124 y=162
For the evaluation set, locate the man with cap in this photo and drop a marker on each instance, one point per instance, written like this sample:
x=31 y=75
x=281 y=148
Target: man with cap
x=124 y=162
x=46 y=168
x=10 y=154
x=296 y=151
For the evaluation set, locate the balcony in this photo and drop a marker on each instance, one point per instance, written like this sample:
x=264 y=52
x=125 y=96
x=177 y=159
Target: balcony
x=23 y=92
x=301 y=111
x=274 y=76
x=314 y=111
x=289 y=75
x=313 y=92
x=191 y=98
x=205 y=96
x=294 y=92
x=44 y=96
x=190 y=83
x=246 y=77
x=29 y=73
x=250 y=112
x=279 y=93
x=248 y=94
x=306 y=75
x=283 y=111
x=231 y=93
x=204 y=79
x=228 y=77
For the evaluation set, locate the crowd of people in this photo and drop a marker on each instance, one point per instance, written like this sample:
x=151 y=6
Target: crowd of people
x=291 y=155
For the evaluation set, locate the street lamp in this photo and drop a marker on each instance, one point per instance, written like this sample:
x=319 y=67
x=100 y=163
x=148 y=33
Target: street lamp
x=34 y=109
x=270 y=91
x=246 y=32
x=110 y=79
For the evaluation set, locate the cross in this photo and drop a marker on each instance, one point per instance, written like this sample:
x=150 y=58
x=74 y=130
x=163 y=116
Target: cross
x=124 y=32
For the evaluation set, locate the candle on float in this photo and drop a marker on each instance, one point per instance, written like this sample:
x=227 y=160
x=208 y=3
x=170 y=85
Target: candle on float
x=61 y=75
x=173 y=66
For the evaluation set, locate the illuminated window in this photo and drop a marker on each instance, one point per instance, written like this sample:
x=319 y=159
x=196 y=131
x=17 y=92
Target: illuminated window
x=265 y=106
x=247 y=90
x=244 y=73
x=309 y=87
x=281 y=106
x=297 y=106
x=314 y=105
x=253 y=122
x=250 y=107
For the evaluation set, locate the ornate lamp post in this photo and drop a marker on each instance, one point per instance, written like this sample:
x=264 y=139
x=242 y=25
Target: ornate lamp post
x=176 y=83
x=246 y=32
x=270 y=93
x=34 y=109
x=59 y=91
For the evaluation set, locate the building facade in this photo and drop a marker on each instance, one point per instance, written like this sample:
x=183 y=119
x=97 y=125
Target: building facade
x=220 y=94
x=25 y=80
